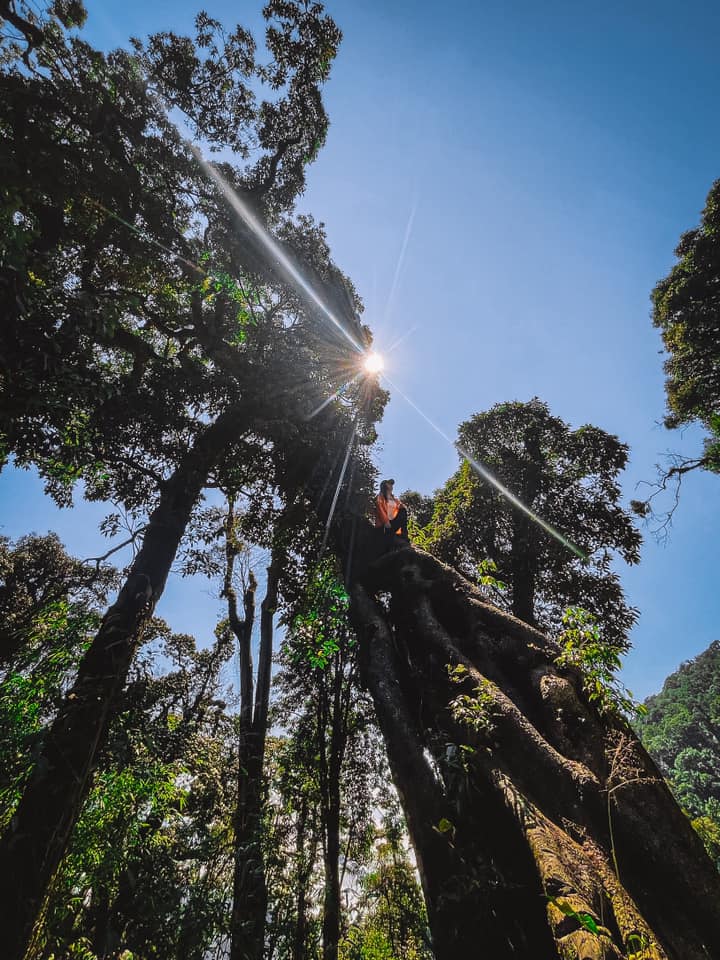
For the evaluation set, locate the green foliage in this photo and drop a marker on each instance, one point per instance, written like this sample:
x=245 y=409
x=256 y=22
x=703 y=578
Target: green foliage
x=366 y=944
x=584 y=649
x=474 y=710
x=486 y=571
x=322 y=619
x=47 y=606
x=149 y=856
x=681 y=730
x=391 y=921
x=570 y=479
x=686 y=304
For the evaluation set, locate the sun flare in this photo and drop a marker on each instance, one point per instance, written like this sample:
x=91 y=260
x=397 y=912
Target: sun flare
x=374 y=363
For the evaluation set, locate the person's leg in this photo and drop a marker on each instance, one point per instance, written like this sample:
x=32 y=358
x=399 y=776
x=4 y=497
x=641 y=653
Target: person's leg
x=400 y=523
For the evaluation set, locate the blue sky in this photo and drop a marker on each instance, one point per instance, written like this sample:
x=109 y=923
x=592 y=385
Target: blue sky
x=552 y=155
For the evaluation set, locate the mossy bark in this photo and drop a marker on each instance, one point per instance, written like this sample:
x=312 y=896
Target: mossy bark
x=541 y=826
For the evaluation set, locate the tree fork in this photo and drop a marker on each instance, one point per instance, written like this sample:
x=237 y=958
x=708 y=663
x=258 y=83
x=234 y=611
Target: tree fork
x=35 y=842
x=544 y=828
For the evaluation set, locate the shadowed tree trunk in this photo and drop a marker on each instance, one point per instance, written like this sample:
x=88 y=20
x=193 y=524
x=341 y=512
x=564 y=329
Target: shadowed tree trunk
x=523 y=548
x=334 y=718
x=36 y=840
x=249 y=881
x=305 y=861
x=541 y=827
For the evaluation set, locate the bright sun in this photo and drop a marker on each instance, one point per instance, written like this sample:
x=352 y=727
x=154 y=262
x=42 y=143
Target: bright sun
x=374 y=363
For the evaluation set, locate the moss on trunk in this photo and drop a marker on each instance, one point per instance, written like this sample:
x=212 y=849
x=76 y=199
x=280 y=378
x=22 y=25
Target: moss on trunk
x=541 y=826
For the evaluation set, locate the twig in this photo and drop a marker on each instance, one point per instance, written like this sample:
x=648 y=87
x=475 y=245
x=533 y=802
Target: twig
x=131 y=539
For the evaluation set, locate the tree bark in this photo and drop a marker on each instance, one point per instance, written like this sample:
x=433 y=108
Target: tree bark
x=330 y=786
x=249 y=882
x=35 y=842
x=523 y=547
x=305 y=862
x=541 y=826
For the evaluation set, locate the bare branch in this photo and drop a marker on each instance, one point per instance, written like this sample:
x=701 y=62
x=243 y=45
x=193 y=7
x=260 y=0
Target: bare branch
x=131 y=539
x=669 y=480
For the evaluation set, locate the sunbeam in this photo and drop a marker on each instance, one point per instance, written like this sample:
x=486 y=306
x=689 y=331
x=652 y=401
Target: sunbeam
x=351 y=442
x=334 y=396
x=401 y=338
x=270 y=244
x=401 y=261
x=148 y=239
x=486 y=475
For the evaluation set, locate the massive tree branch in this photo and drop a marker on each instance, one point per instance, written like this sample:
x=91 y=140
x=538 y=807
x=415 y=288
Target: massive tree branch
x=560 y=836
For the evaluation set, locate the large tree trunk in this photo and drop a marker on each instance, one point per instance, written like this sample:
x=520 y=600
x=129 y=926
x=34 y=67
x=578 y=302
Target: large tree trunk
x=35 y=842
x=541 y=827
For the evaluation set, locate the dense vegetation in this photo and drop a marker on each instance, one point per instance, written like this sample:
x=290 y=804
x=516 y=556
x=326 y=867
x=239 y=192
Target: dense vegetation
x=686 y=305
x=567 y=477
x=681 y=729
x=176 y=797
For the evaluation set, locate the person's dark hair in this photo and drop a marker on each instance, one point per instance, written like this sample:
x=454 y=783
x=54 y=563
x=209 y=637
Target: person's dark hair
x=383 y=488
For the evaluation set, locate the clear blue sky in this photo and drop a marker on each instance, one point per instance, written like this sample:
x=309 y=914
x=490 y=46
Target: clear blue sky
x=552 y=153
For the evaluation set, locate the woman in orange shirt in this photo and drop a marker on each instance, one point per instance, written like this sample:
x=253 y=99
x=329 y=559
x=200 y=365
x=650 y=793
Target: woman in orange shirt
x=390 y=514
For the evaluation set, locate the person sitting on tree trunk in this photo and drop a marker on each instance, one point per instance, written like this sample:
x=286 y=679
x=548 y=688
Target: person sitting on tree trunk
x=390 y=514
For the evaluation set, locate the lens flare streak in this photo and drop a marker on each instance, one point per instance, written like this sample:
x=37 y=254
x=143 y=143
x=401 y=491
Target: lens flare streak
x=485 y=474
x=331 y=514
x=276 y=252
x=270 y=244
x=401 y=260
x=403 y=336
x=334 y=396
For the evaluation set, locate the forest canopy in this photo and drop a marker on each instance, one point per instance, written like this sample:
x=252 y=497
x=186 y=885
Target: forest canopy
x=383 y=747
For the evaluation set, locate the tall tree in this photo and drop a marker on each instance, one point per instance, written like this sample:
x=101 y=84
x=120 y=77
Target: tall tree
x=249 y=883
x=319 y=681
x=681 y=730
x=686 y=310
x=134 y=293
x=567 y=477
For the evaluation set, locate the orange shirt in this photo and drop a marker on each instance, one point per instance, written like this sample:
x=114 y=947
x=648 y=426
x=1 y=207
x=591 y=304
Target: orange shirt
x=386 y=510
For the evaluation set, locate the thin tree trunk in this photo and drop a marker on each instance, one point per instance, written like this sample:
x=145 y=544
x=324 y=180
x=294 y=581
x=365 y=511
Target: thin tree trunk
x=332 y=716
x=331 y=815
x=523 y=550
x=541 y=828
x=35 y=842
x=331 y=899
x=305 y=865
x=522 y=570
x=249 y=882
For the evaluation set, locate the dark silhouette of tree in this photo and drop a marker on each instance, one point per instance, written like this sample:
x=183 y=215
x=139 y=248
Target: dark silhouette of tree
x=686 y=307
x=681 y=730
x=150 y=351
x=38 y=579
x=570 y=479
x=332 y=723
x=540 y=825
x=250 y=896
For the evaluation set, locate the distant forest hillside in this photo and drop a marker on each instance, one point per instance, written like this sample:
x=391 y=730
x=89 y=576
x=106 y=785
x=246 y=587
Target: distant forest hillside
x=682 y=732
